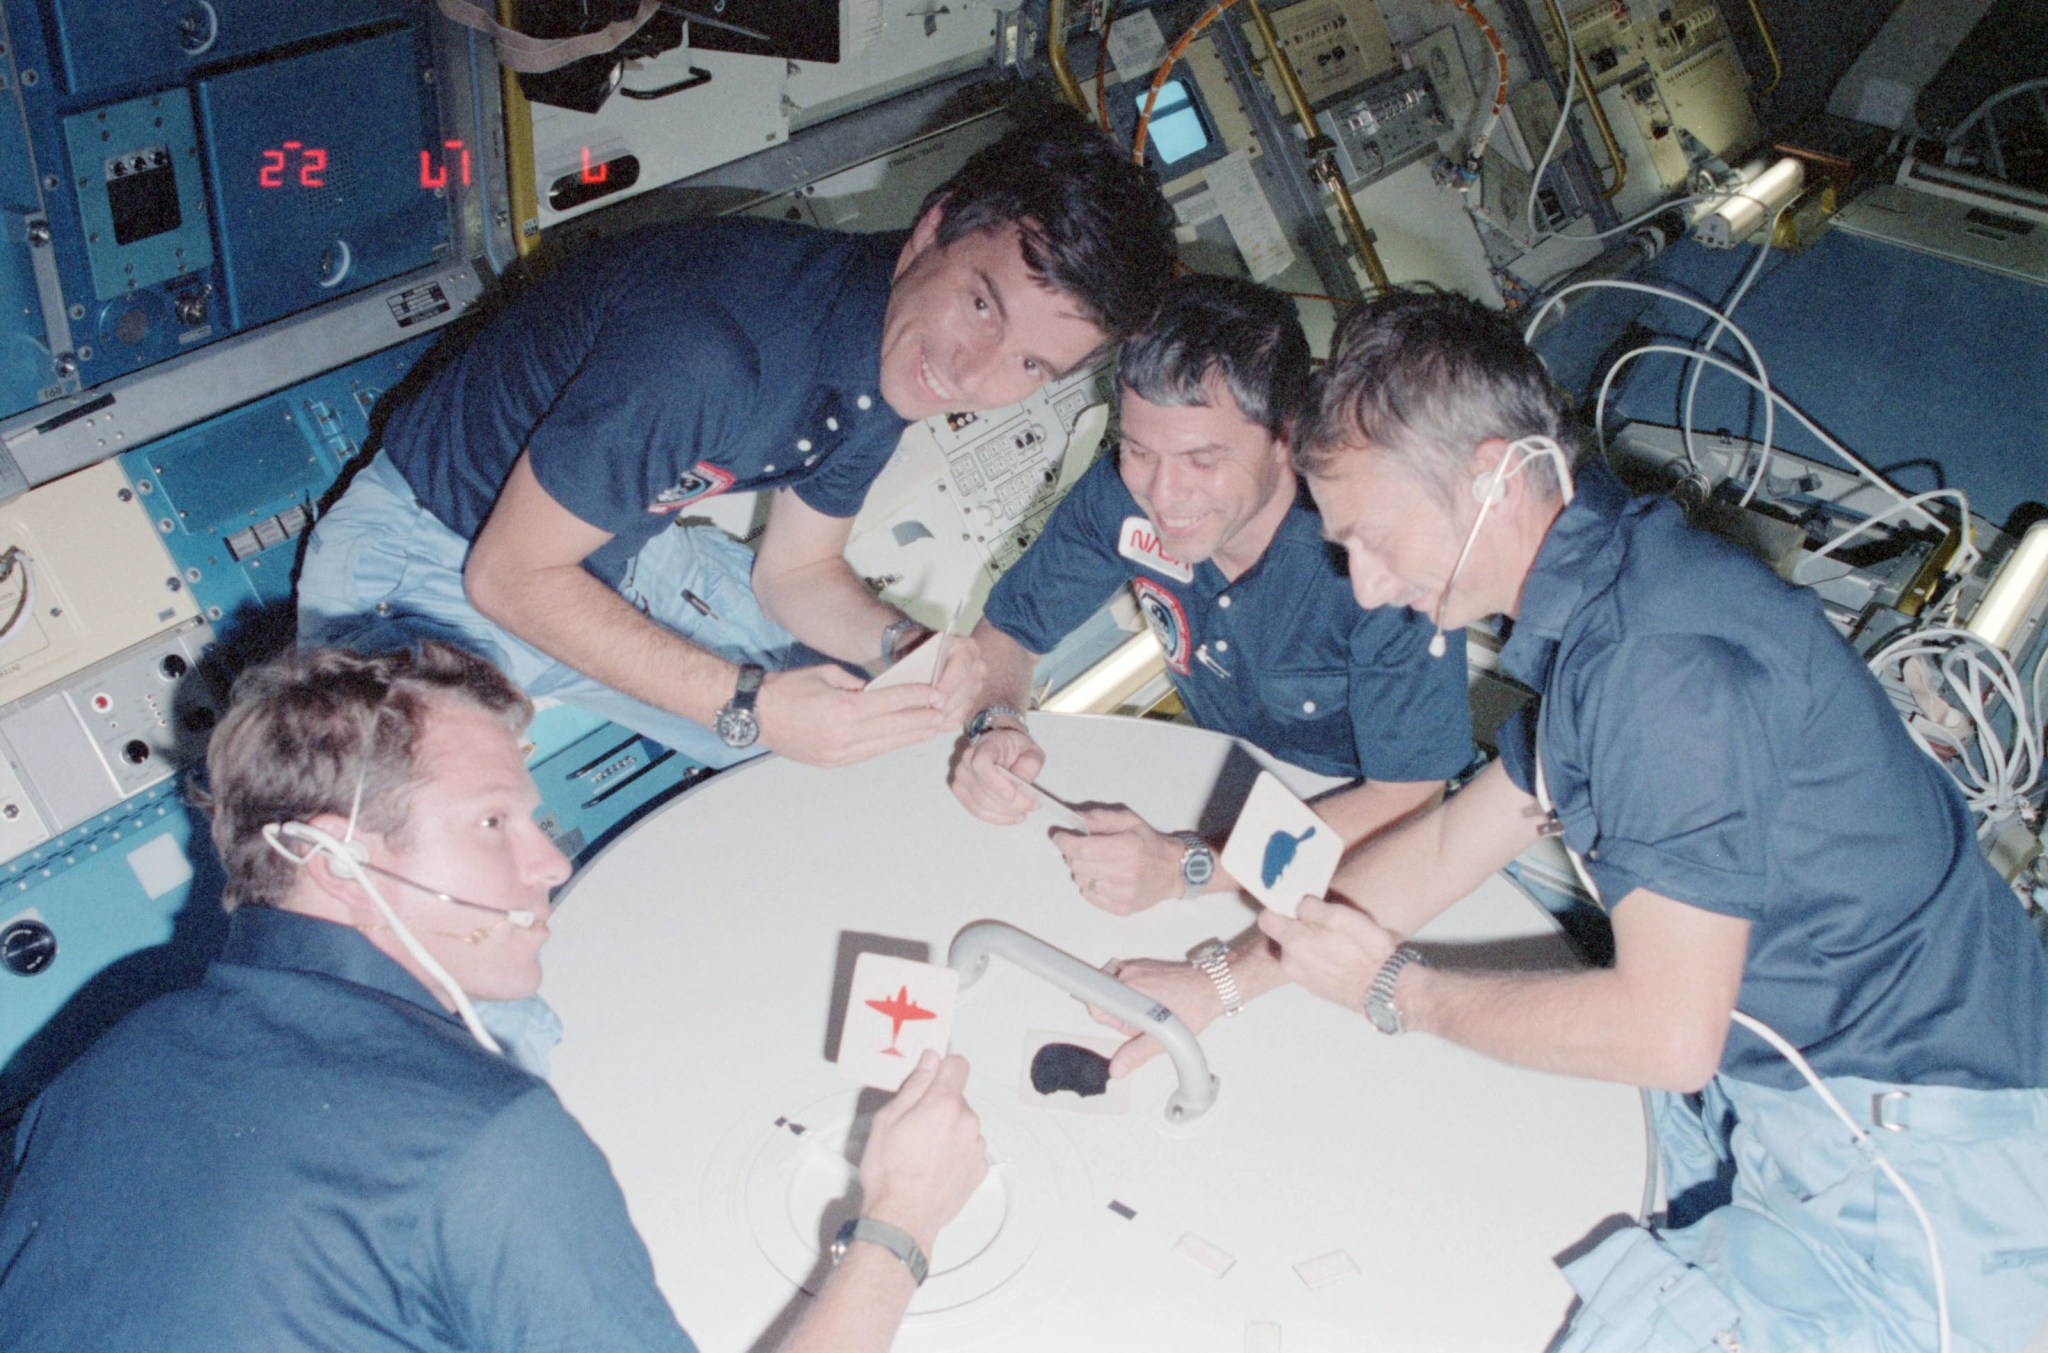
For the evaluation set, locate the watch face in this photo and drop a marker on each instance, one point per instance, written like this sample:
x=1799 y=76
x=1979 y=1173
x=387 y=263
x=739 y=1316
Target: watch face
x=1383 y=1017
x=738 y=727
x=1199 y=866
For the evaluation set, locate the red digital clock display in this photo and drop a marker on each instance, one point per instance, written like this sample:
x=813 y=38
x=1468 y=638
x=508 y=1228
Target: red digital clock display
x=455 y=158
x=294 y=164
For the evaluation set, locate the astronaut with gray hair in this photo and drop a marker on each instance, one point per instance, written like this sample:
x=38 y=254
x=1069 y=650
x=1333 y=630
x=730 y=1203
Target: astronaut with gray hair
x=1803 y=921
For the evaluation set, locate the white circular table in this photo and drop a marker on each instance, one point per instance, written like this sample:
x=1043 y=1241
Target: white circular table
x=1347 y=1191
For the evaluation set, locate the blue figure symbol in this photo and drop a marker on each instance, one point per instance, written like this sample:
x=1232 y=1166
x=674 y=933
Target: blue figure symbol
x=1280 y=848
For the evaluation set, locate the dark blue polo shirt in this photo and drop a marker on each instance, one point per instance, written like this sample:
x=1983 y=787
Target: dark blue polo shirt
x=1708 y=736
x=306 y=1151
x=650 y=372
x=1283 y=657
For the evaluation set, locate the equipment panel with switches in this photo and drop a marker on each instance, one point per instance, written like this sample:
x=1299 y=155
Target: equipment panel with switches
x=114 y=729
x=1394 y=122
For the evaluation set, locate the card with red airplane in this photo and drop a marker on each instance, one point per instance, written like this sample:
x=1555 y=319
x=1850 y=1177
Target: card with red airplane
x=897 y=1008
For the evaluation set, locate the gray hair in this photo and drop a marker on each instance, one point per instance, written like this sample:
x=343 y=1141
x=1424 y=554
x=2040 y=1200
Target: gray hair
x=1425 y=376
x=1244 y=334
x=305 y=729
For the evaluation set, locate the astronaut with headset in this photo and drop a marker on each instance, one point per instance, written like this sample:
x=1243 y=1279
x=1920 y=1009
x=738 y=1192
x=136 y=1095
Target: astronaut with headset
x=1836 y=1007
x=322 y=1145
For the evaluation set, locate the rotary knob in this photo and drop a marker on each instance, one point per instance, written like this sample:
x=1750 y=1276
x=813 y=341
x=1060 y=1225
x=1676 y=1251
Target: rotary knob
x=27 y=947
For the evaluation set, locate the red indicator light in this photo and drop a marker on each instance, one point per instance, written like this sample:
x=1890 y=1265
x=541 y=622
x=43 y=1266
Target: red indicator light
x=436 y=176
x=293 y=162
x=597 y=175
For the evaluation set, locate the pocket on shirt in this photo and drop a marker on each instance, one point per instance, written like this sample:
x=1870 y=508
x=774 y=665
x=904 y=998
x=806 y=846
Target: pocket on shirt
x=1302 y=698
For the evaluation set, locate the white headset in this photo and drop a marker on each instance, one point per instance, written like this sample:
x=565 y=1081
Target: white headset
x=1490 y=489
x=350 y=859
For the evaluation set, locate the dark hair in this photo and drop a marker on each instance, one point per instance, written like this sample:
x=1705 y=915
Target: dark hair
x=1246 y=334
x=304 y=729
x=1095 y=225
x=1425 y=376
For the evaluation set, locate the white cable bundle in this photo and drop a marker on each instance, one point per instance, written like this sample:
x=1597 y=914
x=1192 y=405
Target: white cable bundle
x=1998 y=772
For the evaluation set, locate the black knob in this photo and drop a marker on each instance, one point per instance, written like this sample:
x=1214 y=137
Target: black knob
x=27 y=947
x=135 y=751
x=173 y=666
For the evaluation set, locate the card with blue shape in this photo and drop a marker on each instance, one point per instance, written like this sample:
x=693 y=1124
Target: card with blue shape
x=1280 y=851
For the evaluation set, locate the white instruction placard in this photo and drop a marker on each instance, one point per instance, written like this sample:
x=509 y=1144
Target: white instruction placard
x=1249 y=216
x=1136 y=46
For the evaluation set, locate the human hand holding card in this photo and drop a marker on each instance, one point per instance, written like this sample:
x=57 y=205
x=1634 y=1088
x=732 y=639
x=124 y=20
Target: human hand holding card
x=897 y=1008
x=1280 y=851
x=1061 y=812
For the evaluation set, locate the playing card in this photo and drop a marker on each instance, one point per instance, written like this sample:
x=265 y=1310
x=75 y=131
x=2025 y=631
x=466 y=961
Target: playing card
x=919 y=667
x=1280 y=851
x=1062 y=813
x=896 y=1009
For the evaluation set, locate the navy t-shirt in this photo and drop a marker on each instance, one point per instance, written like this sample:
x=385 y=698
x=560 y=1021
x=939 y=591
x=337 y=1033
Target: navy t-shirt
x=1283 y=657
x=1706 y=735
x=306 y=1151
x=656 y=370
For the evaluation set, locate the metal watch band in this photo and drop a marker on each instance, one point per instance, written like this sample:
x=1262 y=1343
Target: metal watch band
x=984 y=720
x=1213 y=958
x=1379 y=998
x=892 y=637
x=894 y=1239
x=1197 y=864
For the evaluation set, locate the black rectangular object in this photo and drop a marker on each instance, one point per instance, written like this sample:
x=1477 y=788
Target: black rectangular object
x=144 y=203
x=800 y=30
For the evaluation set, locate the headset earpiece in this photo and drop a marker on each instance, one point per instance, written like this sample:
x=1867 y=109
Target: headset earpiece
x=1489 y=489
x=350 y=852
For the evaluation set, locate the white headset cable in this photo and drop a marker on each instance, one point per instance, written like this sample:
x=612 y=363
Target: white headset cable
x=1861 y=1138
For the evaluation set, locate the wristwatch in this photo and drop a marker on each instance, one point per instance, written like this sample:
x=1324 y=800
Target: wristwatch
x=984 y=721
x=894 y=1239
x=737 y=724
x=1213 y=958
x=894 y=635
x=1197 y=863
x=1379 y=998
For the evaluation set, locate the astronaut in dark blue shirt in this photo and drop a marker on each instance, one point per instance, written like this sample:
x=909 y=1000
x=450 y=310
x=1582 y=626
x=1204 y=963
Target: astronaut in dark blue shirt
x=523 y=500
x=1201 y=514
x=1839 y=1007
x=319 y=1147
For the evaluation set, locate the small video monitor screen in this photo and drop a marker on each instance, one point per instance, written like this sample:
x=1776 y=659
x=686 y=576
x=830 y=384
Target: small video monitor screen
x=1176 y=129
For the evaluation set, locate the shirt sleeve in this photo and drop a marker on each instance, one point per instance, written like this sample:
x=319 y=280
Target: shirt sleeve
x=1071 y=569
x=537 y=1251
x=1410 y=714
x=1666 y=754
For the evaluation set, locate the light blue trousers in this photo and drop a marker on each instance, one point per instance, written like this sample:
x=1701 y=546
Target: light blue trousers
x=1815 y=1249
x=381 y=571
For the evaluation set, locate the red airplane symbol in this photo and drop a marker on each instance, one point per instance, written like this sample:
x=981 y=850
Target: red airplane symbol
x=899 y=1009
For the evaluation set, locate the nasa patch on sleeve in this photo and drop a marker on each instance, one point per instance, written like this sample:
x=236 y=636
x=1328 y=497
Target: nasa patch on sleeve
x=1139 y=543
